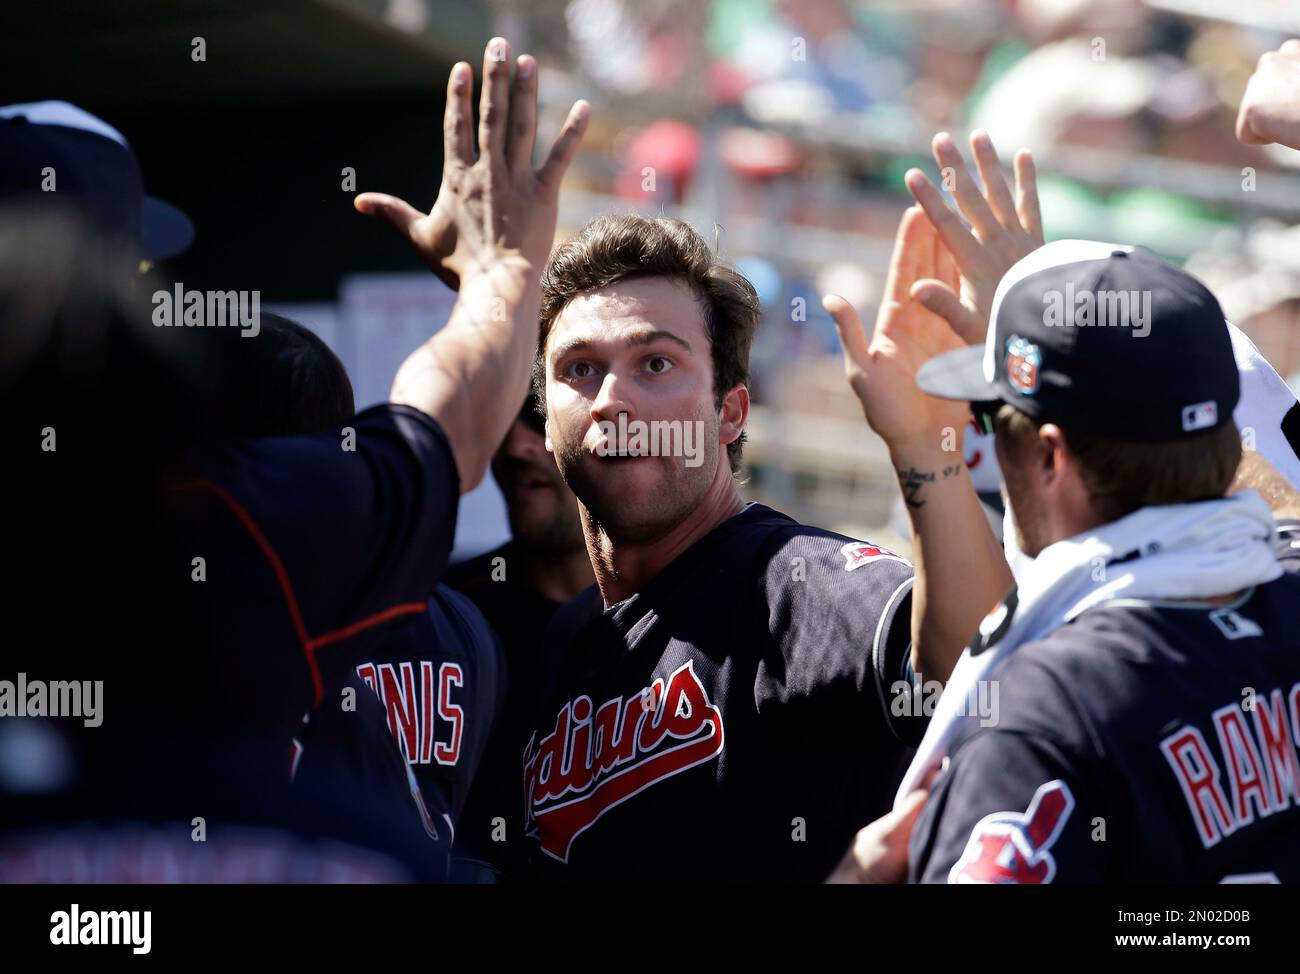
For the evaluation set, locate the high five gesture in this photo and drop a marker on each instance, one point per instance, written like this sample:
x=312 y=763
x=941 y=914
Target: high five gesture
x=492 y=201
x=1001 y=230
x=489 y=234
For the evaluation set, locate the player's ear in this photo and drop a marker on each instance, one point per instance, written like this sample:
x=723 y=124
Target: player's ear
x=733 y=415
x=1051 y=453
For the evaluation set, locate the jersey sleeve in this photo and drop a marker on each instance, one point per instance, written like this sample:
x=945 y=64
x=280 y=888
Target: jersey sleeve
x=1010 y=808
x=321 y=540
x=840 y=615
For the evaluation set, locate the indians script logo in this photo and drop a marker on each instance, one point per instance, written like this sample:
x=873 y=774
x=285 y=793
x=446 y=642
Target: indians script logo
x=598 y=757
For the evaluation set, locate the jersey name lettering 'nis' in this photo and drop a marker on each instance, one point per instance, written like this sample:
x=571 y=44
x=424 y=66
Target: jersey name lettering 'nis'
x=412 y=701
x=1258 y=746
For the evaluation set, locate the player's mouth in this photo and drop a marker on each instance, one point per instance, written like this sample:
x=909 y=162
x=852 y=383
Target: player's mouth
x=524 y=478
x=530 y=484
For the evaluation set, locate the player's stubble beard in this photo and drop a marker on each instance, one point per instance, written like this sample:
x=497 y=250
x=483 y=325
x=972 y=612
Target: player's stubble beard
x=559 y=535
x=657 y=505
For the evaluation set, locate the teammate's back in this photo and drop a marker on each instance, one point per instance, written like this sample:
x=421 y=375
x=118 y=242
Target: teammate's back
x=1149 y=740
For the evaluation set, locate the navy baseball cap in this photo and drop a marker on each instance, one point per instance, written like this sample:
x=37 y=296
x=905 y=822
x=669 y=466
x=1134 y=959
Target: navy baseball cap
x=89 y=164
x=1102 y=338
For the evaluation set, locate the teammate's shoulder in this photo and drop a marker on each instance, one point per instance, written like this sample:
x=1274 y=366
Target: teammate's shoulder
x=260 y=479
x=1045 y=692
x=761 y=516
x=1110 y=636
x=460 y=611
x=1144 y=631
x=1105 y=661
x=792 y=545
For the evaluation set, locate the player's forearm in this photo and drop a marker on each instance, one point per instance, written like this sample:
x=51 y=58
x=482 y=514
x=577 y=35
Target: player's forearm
x=960 y=570
x=472 y=376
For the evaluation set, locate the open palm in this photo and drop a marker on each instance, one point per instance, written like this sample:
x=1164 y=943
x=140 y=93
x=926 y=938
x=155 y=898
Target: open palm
x=493 y=199
x=883 y=371
x=1002 y=228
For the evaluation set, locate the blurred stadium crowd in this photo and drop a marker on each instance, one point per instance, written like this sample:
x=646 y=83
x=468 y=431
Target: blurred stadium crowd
x=789 y=125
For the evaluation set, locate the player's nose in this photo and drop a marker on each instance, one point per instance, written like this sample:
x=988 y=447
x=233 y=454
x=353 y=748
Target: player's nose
x=612 y=400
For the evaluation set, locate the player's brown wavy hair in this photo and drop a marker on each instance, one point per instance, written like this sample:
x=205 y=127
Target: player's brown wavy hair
x=1121 y=477
x=619 y=247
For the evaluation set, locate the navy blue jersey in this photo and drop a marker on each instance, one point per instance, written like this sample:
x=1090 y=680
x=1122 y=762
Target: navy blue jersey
x=488 y=828
x=415 y=717
x=1141 y=742
x=309 y=549
x=731 y=719
x=256 y=594
x=440 y=680
x=345 y=745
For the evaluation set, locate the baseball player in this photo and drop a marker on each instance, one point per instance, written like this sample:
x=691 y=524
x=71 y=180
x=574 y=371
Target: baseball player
x=305 y=547
x=1178 y=760
x=1145 y=663
x=724 y=702
x=317 y=543
x=411 y=723
x=415 y=718
x=1148 y=728
x=914 y=332
x=166 y=784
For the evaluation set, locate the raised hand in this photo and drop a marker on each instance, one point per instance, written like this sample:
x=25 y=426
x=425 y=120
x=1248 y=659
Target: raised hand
x=1270 y=109
x=907 y=334
x=489 y=235
x=1002 y=228
x=953 y=549
x=491 y=203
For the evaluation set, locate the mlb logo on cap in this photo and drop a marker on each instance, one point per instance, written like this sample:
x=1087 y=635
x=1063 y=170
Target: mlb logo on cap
x=1200 y=416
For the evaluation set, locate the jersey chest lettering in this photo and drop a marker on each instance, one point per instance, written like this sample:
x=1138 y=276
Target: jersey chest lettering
x=422 y=716
x=596 y=758
x=1257 y=744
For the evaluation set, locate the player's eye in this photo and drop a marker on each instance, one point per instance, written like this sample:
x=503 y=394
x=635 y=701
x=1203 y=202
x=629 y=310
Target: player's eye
x=579 y=369
x=658 y=364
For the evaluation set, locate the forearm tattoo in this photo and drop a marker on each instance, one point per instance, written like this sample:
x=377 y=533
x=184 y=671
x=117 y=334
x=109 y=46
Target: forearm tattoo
x=912 y=481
